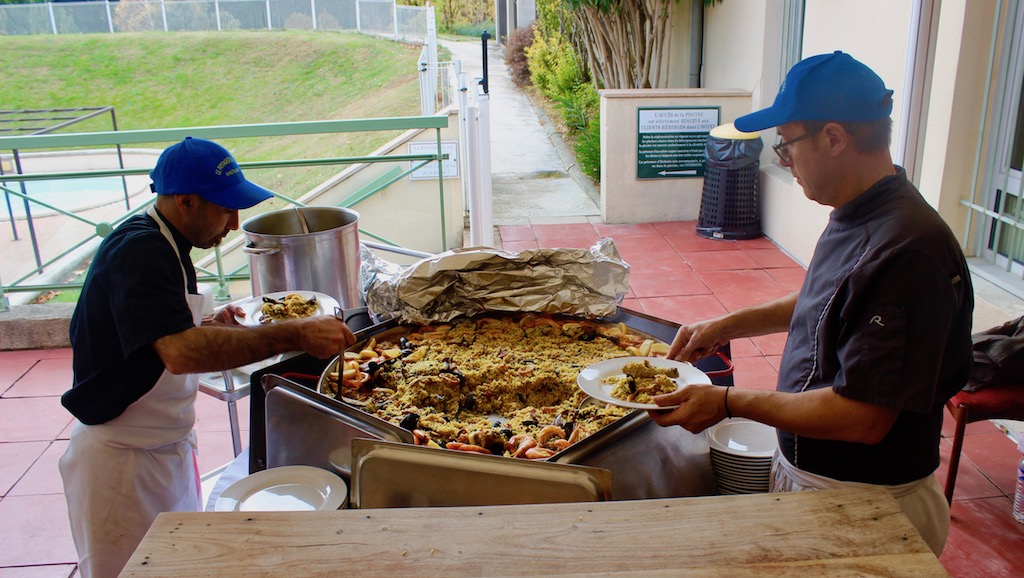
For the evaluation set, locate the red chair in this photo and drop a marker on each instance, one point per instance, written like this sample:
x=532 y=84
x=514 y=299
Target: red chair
x=992 y=402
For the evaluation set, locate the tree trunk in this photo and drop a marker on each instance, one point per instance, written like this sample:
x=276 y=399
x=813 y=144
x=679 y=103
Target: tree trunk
x=621 y=41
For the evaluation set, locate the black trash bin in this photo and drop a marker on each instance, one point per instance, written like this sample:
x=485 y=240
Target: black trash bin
x=730 y=204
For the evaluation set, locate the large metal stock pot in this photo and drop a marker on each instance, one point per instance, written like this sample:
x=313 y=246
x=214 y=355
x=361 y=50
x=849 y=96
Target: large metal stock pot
x=305 y=248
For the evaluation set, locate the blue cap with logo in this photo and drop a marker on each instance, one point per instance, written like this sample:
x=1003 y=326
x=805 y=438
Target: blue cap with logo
x=827 y=87
x=201 y=167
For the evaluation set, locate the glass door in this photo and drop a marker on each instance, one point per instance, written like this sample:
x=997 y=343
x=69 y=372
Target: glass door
x=1003 y=237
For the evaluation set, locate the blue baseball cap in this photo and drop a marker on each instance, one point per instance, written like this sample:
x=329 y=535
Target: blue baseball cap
x=201 y=167
x=827 y=87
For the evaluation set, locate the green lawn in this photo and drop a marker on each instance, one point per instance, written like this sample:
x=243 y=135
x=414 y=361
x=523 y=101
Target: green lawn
x=157 y=80
x=185 y=79
x=161 y=80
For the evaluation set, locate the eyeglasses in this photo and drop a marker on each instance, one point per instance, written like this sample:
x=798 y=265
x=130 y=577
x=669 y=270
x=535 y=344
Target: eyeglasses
x=782 y=150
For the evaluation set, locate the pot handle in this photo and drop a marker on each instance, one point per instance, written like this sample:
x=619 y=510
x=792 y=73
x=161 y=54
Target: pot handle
x=251 y=250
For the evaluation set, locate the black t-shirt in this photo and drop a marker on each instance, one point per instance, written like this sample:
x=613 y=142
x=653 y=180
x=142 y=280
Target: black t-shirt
x=133 y=295
x=883 y=317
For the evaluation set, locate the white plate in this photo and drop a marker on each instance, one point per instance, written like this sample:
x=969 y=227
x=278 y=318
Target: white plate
x=287 y=488
x=325 y=305
x=743 y=437
x=591 y=379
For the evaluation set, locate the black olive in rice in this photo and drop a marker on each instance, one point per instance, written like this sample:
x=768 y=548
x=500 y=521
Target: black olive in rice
x=410 y=421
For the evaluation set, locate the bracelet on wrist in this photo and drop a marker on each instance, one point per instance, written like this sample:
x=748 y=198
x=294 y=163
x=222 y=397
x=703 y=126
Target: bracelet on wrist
x=728 y=414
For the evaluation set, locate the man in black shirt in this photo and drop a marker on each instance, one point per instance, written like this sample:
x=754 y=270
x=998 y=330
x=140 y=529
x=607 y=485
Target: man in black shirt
x=879 y=336
x=139 y=340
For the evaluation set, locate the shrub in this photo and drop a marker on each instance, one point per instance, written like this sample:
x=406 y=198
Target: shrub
x=540 y=57
x=515 y=55
x=553 y=67
x=559 y=76
x=588 y=148
x=326 y=21
x=298 y=21
x=568 y=76
x=577 y=106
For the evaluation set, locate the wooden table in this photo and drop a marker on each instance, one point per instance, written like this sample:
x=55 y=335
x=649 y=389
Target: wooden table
x=830 y=533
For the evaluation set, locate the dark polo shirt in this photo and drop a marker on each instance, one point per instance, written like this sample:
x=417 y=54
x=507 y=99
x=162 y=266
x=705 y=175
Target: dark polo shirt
x=133 y=295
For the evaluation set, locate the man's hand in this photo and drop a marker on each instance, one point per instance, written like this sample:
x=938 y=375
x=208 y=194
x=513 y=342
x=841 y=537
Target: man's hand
x=323 y=336
x=697 y=341
x=226 y=315
x=700 y=407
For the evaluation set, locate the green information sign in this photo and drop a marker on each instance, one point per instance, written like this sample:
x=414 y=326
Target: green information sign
x=670 y=141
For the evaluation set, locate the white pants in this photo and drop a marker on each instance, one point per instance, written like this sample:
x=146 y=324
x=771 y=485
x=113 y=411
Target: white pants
x=922 y=501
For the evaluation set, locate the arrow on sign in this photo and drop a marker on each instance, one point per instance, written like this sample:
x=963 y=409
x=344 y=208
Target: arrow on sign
x=690 y=172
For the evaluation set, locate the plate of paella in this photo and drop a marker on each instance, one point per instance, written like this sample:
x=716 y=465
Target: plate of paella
x=283 y=305
x=633 y=382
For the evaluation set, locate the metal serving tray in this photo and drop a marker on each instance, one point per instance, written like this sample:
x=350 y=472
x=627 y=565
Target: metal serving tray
x=646 y=460
x=391 y=475
x=308 y=429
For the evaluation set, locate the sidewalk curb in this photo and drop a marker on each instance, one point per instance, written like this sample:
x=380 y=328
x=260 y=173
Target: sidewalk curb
x=565 y=153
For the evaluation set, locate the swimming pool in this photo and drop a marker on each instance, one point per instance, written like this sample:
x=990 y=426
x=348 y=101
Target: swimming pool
x=70 y=195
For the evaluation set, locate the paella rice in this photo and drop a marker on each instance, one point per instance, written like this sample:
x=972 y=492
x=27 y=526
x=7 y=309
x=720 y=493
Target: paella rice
x=499 y=385
x=640 y=382
x=291 y=306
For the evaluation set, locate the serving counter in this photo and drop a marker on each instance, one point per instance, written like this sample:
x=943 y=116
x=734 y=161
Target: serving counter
x=847 y=532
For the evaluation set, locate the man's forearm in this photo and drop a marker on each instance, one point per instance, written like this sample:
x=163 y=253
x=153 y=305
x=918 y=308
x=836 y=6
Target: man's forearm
x=213 y=348
x=821 y=413
x=771 y=317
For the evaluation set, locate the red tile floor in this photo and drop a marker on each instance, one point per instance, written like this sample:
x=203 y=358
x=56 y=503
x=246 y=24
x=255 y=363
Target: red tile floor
x=674 y=274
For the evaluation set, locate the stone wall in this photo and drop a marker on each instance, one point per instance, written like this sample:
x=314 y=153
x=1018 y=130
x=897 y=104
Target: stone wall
x=36 y=326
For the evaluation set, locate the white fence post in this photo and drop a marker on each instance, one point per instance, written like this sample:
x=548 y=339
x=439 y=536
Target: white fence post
x=467 y=167
x=430 y=73
x=481 y=203
x=435 y=70
x=394 y=17
x=53 y=21
x=163 y=13
x=312 y=11
x=424 y=83
x=269 y=25
x=216 y=11
x=110 y=19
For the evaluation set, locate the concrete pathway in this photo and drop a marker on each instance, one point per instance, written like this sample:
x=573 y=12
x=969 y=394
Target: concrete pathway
x=535 y=178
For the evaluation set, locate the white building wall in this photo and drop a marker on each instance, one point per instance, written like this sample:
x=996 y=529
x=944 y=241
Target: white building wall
x=676 y=59
x=873 y=31
x=526 y=12
x=954 y=122
x=734 y=45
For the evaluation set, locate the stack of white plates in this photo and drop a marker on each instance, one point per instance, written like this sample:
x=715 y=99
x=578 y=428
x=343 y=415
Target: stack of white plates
x=741 y=455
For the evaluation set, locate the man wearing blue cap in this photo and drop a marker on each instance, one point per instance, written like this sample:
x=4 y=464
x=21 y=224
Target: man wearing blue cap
x=139 y=340
x=879 y=336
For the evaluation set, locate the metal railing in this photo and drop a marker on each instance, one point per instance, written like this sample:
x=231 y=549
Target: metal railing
x=132 y=137
x=46 y=121
x=377 y=17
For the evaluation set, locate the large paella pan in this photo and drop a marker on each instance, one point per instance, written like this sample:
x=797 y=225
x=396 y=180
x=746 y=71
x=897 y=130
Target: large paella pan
x=500 y=384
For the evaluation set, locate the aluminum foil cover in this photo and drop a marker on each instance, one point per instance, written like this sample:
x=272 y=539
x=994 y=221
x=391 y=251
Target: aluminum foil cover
x=586 y=282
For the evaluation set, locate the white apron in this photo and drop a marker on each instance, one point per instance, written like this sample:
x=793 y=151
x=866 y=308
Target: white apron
x=119 y=475
x=923 y=501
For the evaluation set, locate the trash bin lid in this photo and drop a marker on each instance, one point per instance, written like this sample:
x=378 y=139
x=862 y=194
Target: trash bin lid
x=728 y=131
